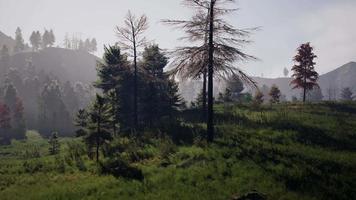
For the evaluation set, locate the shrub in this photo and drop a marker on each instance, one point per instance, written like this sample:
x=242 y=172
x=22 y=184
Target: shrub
x=119 y=168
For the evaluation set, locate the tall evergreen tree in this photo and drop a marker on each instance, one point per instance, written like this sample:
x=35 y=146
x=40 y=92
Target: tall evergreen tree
x=220 y=47
x=81 y=122
x=51 y=38
x=304 y=74
x=115 y=80
x=159 y=93
x=46 y=39
x=99 y=125
x=131 y=38
x=35 y=40
x=19 y=42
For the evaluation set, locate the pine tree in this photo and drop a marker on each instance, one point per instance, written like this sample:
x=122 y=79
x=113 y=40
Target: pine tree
x=46 y=39
x=81 y=121
x=19 y=42
x=275 y=94
x=115 y=80
x=346 y=94
x=35 y=40
x=304 y=74
x=219 y=50
x=51 y=38
x=159 y=97
x=131 y=38
x=99 y=125
x=54 y=147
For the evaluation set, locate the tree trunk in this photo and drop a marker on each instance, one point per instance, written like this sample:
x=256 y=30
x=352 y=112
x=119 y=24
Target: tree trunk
x=203 y=117
x=135 y=84
x=210 y=120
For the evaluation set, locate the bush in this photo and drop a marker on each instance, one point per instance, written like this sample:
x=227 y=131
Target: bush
x=119 y=168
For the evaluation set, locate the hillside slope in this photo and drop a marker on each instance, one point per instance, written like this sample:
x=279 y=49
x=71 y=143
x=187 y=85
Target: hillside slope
x=6 y=40
x=66 y=64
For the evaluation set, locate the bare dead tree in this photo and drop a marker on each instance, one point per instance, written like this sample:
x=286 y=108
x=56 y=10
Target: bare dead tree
x=219 y=47
x=131 y=38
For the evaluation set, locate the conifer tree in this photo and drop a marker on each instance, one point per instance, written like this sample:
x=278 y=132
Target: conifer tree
x=19 y=42
x=304 y=74
x=46 y=39
x=131 y=38
x=115 y=79
x=81 y=121
x=99 y=125
x=219 y=50
x=51 y=38
x=35 y=40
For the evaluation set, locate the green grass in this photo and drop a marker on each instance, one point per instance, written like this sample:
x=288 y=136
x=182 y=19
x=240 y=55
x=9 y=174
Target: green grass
x=286 y=151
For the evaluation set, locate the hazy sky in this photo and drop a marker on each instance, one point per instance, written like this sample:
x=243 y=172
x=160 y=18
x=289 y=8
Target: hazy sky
x=328 y=24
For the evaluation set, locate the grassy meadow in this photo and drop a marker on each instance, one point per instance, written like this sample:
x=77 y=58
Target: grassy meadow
x=284 y=151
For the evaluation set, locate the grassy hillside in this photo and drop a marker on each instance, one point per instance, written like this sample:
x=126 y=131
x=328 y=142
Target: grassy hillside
x=286 y=151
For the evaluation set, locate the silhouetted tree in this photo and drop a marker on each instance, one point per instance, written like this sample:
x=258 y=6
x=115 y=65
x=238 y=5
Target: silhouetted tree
x=99 y=125
x=131 y=38
x=304 y=74
x=346 y=94
x=275 y=94
x=159 y=96
x=19 y=42
x=115 y=79
x=81 y=121
x=219 y=50
x=52 y=38
x=35 y=40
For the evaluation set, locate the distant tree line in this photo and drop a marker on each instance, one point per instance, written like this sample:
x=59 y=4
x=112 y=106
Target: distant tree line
x=76 y=43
